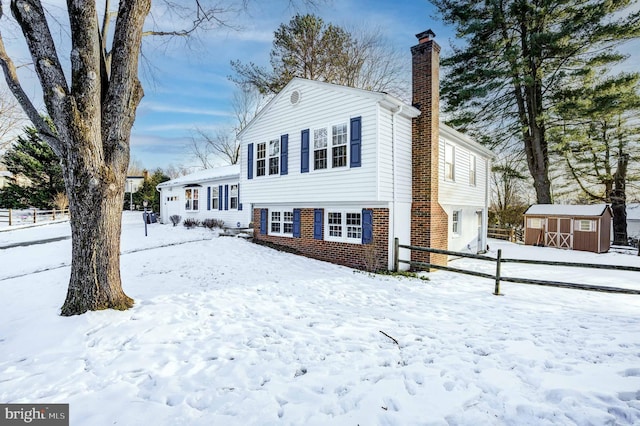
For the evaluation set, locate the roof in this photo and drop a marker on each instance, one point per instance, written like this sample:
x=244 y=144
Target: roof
x=206 y=175
x=382 y=98
x=633 y=211
x=567 y=210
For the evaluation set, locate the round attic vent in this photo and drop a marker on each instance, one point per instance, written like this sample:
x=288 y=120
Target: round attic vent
x=295 y=97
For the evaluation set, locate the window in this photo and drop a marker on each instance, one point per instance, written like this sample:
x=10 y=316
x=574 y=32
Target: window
x=274 y=157
x=339 y=145
x=172 y=198
x=344 y=226
x=449 y=158
x=281 y=223
x=287 y=222
x=276 y=218
x=261 y=159
x=534 y=222
x=234 y=196
x=472 y=170
x=455 y=222
x=191 y=199
x=215 y=198
x=586 y=225
x=320 y=148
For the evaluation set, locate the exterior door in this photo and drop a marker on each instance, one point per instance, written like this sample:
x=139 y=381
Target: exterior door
x=559 y=232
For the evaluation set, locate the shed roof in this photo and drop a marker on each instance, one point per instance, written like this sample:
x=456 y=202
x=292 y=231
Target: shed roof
x=203 y=176
x=567 y=210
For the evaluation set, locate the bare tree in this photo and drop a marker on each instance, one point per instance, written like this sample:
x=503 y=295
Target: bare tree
x=93 y=109
x=11 y=119
x=205 y=147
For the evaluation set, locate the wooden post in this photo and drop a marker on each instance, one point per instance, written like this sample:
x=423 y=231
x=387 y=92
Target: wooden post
x=512 y=237
x=53 y=212
x=396 y=254
x=35 y=214
x=10 y=213
x=496 y=291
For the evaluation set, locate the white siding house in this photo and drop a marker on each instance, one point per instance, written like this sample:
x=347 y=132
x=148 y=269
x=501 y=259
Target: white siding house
x=208 y=194
x=463 y=189
x=633 y=220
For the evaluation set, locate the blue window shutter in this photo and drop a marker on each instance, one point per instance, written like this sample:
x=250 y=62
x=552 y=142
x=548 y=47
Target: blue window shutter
x=220 y=197
x=367 y=226
x=226 y=197
x=263 y=221
x=356 y=142
x=296 y=223
x=208 y=198
x=284 y=154
x=317 y=224
x=304 y=152
x=250 y=161
x=239 y=203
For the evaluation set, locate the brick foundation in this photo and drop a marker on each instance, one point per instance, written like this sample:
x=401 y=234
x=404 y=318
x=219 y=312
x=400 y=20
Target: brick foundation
x=374 y=256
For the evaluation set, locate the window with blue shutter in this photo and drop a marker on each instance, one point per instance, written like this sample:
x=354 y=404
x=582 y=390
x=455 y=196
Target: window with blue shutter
x=356 y=142
x=250 y=161
x=208 y=198
x=296 y=223
x=220 y=205
x=317 y=224
x=304 y=151
x=367 y=226
x=263 y=221
x=226 y=197
x=284 y=154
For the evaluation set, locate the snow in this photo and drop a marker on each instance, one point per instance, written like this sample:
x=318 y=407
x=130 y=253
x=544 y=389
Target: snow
x=566 y=209
x=228 y=332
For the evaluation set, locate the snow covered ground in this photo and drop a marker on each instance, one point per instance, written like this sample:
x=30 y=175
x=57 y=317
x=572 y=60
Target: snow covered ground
x=226 y=332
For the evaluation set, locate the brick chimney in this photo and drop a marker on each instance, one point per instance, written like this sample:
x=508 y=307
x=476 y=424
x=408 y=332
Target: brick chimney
x=429 y=222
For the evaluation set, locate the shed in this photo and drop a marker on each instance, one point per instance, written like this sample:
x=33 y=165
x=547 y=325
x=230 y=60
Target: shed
x=575 y=227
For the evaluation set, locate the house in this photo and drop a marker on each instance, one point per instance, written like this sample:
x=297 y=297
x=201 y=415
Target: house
x=633 y=220
x=5 y=178
x=337 y=173
x=576 y=227
x=207 y=194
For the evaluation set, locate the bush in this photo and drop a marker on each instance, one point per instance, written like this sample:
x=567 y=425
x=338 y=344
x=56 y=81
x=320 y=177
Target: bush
x=213 y=223
x=191 y=223
x=175 y=219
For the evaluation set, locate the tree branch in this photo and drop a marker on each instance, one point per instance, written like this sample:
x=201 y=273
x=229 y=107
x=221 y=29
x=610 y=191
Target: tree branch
x=11 y=77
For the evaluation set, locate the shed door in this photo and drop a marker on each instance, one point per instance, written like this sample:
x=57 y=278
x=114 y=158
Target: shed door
x=560 y=232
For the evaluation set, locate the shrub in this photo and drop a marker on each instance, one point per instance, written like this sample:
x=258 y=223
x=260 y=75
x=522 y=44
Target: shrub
x=175 y=219
x=191 y=223
x=213 y=223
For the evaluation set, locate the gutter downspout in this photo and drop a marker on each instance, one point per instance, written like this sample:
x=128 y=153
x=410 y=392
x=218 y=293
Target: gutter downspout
x=485 y=214
x=394 y=113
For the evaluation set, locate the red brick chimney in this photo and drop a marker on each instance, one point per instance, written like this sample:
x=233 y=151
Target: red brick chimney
x=429 y=222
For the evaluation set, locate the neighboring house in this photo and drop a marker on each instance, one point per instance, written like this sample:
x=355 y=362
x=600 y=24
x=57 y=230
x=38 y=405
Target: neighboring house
x=133 y=183
x=576 y=227
x=337 y=173
x=633 y=220
x=211 y=193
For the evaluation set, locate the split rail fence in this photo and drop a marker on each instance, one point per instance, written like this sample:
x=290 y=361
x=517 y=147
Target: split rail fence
x=499 y=260
x=21 y=217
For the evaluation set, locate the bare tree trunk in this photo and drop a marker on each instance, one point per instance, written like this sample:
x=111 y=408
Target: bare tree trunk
x=618 y=202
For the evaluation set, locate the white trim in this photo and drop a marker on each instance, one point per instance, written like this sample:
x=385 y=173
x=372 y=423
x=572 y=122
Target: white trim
x=343 y=225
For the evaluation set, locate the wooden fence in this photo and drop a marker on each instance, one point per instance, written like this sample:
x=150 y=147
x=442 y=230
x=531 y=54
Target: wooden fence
x=21 y=217
x=510 y=234
x=499 y=260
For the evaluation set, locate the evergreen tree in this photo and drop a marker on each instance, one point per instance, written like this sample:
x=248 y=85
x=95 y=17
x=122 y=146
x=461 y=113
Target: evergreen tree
x=518 y=54
x=307 y=47
x=32 y=160
x=147 y=191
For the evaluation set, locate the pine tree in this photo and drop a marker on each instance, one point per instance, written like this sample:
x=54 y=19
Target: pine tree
x=32 y=161
x=518 y=54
